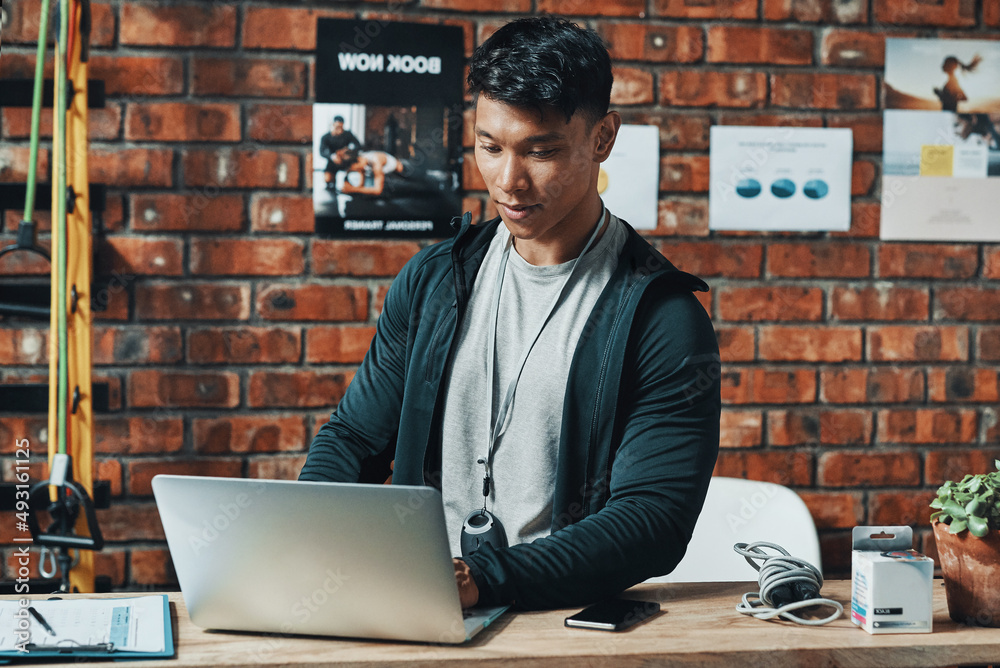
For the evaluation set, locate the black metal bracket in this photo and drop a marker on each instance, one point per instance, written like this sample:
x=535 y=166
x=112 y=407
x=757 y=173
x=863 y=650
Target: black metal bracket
x=20 y=93
x=12 y=196
x=34 y=397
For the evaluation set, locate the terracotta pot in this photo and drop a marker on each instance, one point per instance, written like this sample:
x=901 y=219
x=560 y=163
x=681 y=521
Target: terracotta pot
x=971 y=569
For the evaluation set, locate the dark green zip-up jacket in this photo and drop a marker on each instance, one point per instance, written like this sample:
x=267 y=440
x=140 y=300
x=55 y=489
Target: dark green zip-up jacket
x=640 y=424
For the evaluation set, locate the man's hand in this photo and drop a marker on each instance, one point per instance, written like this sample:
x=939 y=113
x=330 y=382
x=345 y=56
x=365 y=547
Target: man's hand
x=468 y=592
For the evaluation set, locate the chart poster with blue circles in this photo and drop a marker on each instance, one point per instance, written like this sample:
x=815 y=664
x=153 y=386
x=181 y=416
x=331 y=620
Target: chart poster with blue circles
x=780 y=178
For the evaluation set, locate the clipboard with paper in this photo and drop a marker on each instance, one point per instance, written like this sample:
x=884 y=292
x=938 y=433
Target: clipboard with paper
x=109 y=628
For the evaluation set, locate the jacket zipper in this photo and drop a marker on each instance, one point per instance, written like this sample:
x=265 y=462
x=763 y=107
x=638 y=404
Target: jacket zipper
x=459 y=305
x=435 y=340
x=601 y=378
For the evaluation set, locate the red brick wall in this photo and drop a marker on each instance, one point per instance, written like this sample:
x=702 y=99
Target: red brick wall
x=860 y=373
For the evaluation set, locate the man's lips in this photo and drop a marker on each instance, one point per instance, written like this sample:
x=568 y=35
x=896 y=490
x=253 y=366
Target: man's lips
x=518 y=211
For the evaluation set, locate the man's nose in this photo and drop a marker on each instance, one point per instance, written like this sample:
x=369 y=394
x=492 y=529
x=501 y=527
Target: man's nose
x=513 y=176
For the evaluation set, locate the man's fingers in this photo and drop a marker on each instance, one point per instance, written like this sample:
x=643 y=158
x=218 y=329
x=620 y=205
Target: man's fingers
x=468 y=592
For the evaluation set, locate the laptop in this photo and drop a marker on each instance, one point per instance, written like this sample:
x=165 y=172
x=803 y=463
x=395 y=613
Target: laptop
x=318 y=558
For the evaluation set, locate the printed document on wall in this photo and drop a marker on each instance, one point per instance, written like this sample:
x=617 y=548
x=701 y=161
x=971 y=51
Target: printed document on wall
x=780 y=178
x=941 y=140
x=630 y=177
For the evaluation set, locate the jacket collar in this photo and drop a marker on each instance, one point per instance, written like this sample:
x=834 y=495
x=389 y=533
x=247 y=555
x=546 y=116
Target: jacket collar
x=644 y=261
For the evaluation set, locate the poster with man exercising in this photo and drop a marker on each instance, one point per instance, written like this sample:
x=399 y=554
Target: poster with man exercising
x=387 y=129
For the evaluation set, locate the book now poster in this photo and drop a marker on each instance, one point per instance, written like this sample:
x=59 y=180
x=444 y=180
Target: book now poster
x=387 y=128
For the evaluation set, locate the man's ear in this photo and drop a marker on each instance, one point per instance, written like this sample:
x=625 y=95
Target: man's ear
x=606 y=133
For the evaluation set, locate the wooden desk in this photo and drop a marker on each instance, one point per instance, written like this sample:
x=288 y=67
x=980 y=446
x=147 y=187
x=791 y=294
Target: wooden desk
x=698 y=628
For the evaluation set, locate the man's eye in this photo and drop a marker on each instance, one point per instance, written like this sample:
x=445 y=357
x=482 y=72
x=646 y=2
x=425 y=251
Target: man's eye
x=545 y=153
x=490 y=149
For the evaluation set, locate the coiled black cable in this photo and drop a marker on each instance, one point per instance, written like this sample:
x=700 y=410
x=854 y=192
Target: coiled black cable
x=787 y=583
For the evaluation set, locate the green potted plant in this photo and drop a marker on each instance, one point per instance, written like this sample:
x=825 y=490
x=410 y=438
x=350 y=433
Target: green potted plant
x=966 y=523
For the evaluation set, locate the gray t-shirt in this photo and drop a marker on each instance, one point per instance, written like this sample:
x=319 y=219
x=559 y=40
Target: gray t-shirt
x=524 y=462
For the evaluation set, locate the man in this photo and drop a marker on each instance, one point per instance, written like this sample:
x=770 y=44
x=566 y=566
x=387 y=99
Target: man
x=557 y=321
x=378 y=163
x=332 y=146
x=390 y=176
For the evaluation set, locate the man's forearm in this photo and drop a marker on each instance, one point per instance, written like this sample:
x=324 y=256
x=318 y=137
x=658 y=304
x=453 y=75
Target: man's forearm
x=594 y=559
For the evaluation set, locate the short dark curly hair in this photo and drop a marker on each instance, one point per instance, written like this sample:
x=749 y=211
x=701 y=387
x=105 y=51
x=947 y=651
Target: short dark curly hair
x=544 y=62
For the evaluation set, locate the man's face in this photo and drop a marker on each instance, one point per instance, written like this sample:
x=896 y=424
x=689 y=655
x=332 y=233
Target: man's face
x=540 y=170
x=337 y=127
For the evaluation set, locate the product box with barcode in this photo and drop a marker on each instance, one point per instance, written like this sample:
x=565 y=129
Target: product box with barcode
x=891 y=583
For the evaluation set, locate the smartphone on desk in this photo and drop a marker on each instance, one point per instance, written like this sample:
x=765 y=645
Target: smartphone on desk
x=616 y=614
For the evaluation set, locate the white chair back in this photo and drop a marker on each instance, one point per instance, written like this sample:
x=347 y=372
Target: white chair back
x=744 y=511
